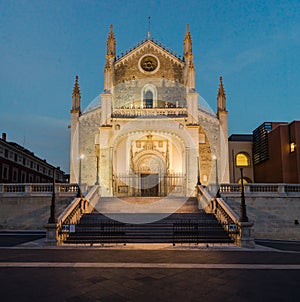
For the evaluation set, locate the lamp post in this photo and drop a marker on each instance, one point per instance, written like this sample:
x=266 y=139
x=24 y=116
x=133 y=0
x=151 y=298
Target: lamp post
x=243 y=214
x=97 y=164
x=217 y=177
x=79 y=194
x=52 y=218
x=198 y=175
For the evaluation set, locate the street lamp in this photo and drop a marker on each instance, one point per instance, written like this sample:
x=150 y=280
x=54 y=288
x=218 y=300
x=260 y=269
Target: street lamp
x=243 y=214
x=81 y=157
x=198 y=175
x=214 y=157
x=52 y=218
x=97 y=164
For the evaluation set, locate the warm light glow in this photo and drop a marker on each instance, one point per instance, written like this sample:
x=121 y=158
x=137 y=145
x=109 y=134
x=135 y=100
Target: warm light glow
x=293 y=146
x=82 y=156
x=242 y=160
x=244 y=181
x=214 y=157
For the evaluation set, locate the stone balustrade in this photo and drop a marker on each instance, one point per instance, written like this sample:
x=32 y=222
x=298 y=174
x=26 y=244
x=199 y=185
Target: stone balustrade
x=37 y=189
x=58 y=232
x=149 y=112
x=261 y=189
x=240 y=232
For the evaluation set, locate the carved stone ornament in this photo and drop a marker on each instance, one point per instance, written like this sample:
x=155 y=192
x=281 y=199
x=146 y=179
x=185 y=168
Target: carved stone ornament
x=149 y=63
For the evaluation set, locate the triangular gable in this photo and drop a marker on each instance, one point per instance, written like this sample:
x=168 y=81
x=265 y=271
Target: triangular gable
x=149 y=44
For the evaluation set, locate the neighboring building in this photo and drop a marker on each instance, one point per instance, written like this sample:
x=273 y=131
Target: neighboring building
x=276 y=152
x=19 y=165
x=147 y=133
x=240 y=155
x=270 y=155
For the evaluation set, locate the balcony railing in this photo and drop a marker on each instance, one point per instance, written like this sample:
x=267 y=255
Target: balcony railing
x=149 y=112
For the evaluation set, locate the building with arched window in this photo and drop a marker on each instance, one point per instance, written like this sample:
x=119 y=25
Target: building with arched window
x=148 y=135
x=240 y=156
x=269 y=155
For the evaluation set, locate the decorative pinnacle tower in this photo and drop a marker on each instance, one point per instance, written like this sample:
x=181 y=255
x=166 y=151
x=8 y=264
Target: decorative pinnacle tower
x=76 y=96
x=189 y=60
x=111 y=44
x=110 y=58
x=187 y=44
x=221 y=97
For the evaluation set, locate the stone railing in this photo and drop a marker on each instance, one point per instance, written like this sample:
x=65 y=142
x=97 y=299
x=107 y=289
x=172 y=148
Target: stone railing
x=149 y=112
x=261 y=189
x=240 y=232
x=58 y=232
x=37 y=189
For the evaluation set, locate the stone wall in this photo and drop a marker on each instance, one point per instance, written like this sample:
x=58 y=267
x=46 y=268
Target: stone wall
x=274 y=217
x=27 y=212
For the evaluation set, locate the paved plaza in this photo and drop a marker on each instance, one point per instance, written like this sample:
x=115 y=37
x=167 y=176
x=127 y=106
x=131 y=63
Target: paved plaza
x=32 y=272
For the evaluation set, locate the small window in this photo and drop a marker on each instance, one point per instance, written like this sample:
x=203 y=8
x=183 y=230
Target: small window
x=292 y=147
x=5 y=170
x=15 y=175
x=242 y=160
x=23 y=176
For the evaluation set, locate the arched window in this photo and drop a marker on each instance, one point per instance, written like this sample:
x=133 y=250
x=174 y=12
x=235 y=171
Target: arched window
x=242 y=159
x=246 y=180
x=149 y=96
x=149 y=99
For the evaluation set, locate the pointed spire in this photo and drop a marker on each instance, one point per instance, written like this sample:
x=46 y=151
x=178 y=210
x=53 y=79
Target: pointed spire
x=76 y=89
x=76 y=96
x=111 y=43
x=221 y=91
x=187 y=44
x=221 y=96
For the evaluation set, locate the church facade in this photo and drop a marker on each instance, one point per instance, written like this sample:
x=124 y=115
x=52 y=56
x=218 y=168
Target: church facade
x=148 y=135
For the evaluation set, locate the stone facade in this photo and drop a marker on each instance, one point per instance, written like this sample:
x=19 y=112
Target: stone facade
x=148 y=134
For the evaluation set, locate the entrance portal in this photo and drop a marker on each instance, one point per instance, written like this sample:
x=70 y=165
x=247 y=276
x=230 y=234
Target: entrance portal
x=149 y=184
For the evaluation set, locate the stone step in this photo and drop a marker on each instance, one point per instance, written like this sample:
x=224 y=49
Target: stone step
x=147 y=204
x=187 y=224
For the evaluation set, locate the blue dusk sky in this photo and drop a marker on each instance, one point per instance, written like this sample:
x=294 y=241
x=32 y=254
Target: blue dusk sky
x=44 y=44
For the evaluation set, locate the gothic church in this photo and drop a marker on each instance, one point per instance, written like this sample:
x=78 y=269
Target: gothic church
x=148 y=135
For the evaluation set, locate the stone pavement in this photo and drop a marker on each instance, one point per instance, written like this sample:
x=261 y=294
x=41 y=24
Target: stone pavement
x=33 y=272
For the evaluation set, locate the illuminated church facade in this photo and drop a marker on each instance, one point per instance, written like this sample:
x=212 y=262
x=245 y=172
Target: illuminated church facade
x=148 y=135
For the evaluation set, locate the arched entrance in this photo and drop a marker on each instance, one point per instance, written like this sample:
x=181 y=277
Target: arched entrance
x=148 y=164
x=151 y=168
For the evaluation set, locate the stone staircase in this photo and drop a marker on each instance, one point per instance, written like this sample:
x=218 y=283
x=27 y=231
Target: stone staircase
x=112 y=222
